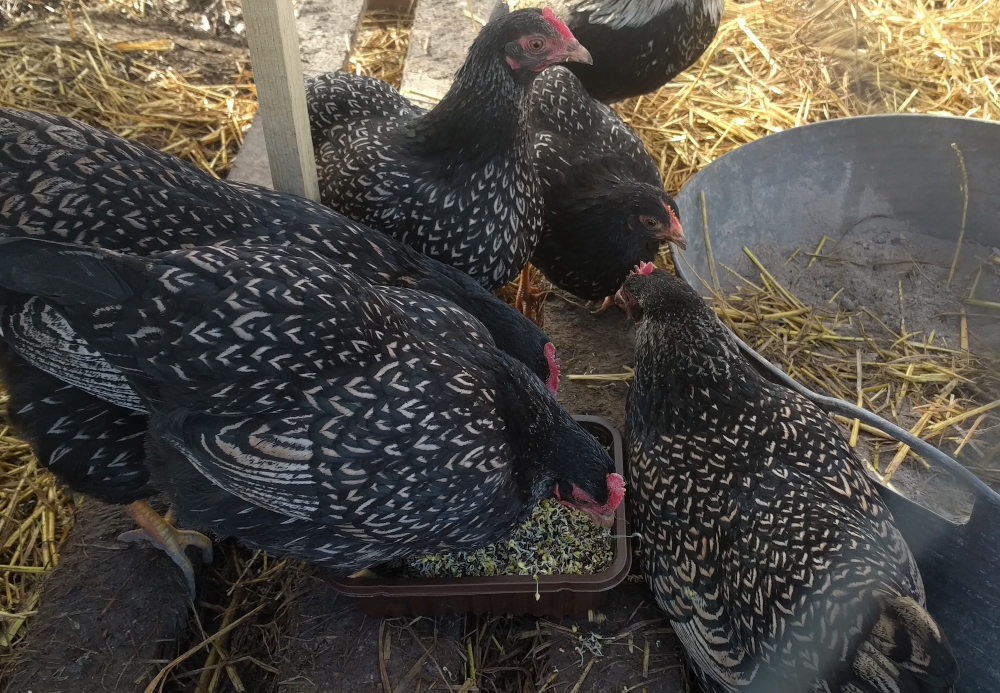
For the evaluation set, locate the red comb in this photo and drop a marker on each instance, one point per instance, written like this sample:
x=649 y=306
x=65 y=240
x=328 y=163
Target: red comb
x=616 y=491
x=563 y=30
x=643 y=268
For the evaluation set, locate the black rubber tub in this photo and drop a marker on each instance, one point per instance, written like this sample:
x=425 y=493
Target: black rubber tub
x=849 y=178
x=550 y=595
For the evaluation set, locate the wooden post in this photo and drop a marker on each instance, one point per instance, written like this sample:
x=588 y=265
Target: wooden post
x=277 y=71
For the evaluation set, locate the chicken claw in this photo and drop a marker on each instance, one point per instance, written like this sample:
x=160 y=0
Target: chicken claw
x=159 y=532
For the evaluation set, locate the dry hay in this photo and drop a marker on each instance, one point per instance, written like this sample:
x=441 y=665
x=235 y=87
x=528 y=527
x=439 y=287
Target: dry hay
x=237 y=624
x=776 y=64
x=917 y=380
x=111 y=86
x=108 y=85
x=380 y=46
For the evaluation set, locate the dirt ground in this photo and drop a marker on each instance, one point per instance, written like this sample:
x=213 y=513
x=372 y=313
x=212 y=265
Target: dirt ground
x=106 y=615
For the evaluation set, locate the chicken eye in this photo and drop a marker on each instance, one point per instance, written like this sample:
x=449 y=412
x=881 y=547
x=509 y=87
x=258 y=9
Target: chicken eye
x=649 y=222
x=535 y=45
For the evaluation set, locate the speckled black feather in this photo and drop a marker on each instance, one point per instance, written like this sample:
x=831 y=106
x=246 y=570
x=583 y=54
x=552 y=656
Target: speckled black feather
x=75 y=435
x=306 y=411
x=455 y=182
x=63 y=180
x=763 y=537
x=597 y=179
x=637 y=45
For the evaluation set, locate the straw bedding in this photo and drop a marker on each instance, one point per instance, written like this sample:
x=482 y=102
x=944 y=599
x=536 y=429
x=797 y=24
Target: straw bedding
x=779 y=63
x=774 y=65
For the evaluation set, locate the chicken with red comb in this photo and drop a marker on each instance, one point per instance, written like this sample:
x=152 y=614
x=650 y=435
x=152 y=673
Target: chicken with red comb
x=601 y=513
x=638 y=45
x=605 y=206
x=763 y=537
x=306 y=411
x=456 y=182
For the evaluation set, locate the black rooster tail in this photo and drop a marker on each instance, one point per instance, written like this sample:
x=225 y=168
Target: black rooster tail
x=63 y=273
x=906 y=652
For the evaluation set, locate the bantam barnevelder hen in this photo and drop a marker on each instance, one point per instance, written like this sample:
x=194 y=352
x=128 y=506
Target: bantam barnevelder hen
x=637 y=45
x=763 y=538
x=456 y=182
x=63 y=180
x=308 y=412
x=605 y=207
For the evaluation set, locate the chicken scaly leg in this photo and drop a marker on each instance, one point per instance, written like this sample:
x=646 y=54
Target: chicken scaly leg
x=608 y=302
x=160 y=533
x=527 y=299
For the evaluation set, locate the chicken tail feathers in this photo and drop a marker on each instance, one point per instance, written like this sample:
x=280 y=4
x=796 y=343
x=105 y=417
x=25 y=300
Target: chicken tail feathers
x=63 y=273
x=906 y=651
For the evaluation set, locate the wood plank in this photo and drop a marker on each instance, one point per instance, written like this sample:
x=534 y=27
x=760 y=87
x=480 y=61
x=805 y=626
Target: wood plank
x=326 y=29
x=439 y=42
x=277 y=70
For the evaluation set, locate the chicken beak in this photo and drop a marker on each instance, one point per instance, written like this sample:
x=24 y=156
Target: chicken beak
x=620 y=300
x=576 y=53
x=676 y=236
x=675 y=233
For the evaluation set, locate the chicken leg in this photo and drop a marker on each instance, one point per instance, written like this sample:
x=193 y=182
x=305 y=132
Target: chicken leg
x=160 y=533
x=607 y=303
x=526 y=300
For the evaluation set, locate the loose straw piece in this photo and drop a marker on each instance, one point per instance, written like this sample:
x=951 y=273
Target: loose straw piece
x=965 y=209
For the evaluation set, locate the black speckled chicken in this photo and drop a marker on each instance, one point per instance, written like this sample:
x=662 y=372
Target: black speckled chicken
x=637 y=45
x=455 y=182
x=605 y=207
x=308 y=412
x=95 y=446
x=63 y=180
x=763 y=538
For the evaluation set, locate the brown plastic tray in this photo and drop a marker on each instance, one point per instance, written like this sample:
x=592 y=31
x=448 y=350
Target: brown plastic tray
x=558 y=595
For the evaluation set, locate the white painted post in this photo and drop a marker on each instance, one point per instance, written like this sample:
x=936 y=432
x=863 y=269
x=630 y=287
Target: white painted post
x=277 y=71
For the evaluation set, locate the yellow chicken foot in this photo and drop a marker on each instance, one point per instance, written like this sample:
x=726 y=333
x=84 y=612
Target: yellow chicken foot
x=526 y=300
x=523 y=289
x=608 y=302
x=160 y=533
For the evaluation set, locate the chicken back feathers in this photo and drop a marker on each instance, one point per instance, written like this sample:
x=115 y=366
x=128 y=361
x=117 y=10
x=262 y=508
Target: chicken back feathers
x=455 y=182
x=63 y=180
x=763 y=537
x=605 y=207
x=336 y=420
